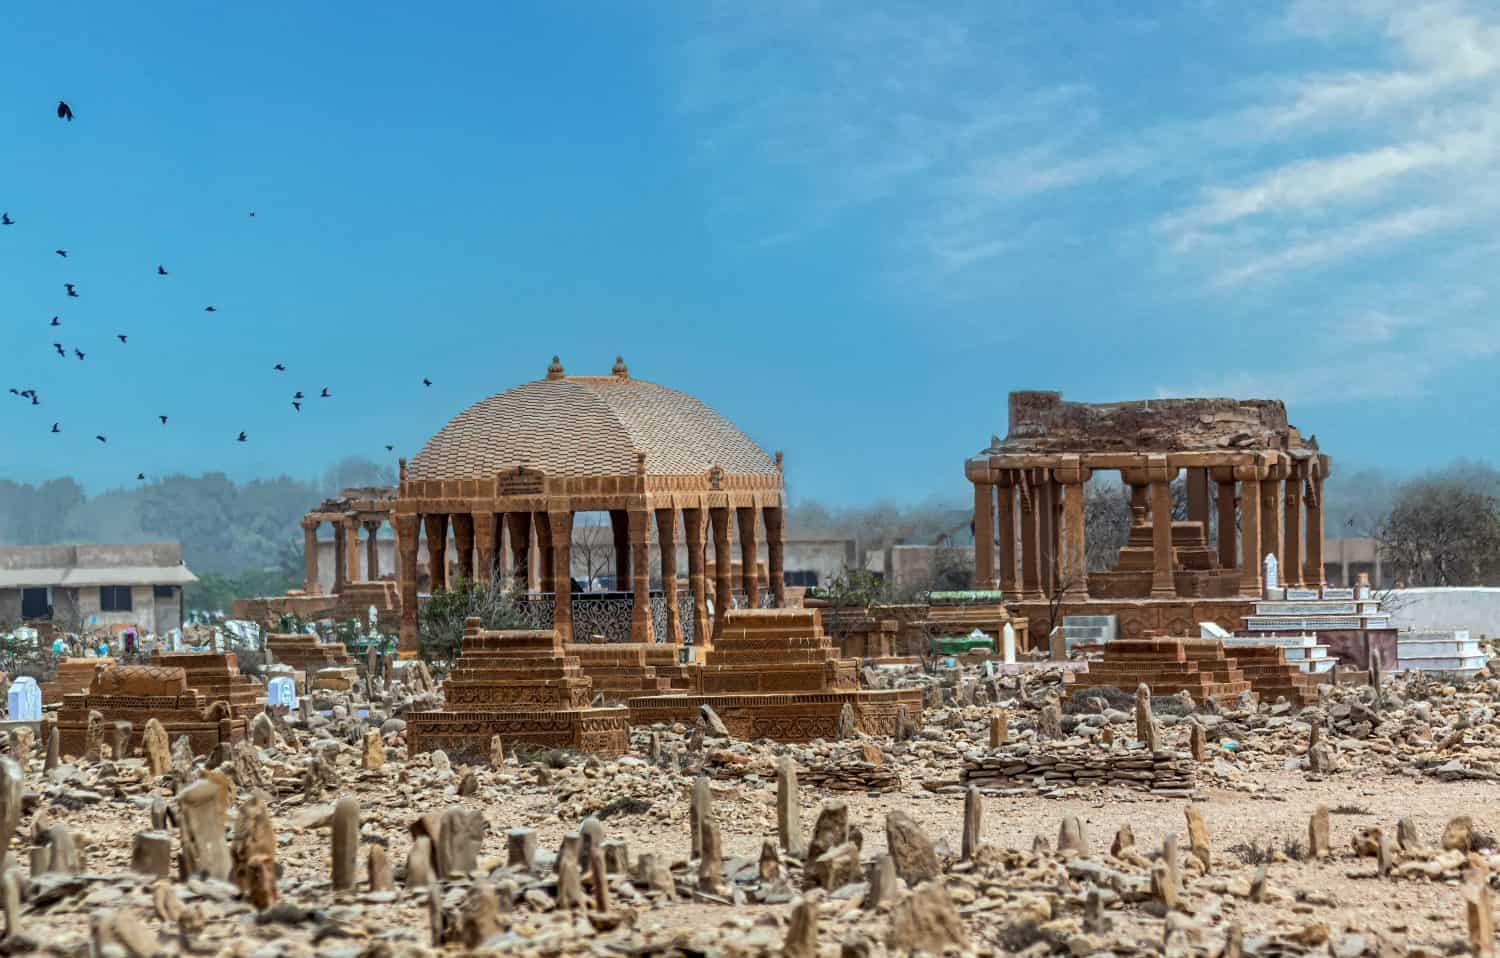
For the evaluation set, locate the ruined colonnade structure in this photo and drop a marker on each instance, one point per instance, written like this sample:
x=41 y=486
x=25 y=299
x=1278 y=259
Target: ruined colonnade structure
x=518 y=467
x=369 y=509
x=1030 y=510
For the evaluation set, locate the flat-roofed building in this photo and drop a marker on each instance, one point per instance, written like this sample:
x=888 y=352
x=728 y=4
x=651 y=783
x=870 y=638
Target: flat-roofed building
x=82 y=586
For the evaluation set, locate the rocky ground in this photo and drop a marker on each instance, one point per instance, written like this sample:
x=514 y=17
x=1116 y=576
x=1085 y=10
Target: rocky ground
x=322 y=837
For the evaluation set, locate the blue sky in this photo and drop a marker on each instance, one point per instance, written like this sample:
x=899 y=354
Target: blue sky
x=853 y=228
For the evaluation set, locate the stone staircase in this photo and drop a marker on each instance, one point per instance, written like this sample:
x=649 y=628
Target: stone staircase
x=1272 y=676
x=1452 y=652
x=1169 y=665
x=1304 y=614
x=1303 y=651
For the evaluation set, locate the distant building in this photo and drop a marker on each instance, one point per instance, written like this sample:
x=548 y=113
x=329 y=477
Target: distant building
x=93 y=585
x=1345 y=559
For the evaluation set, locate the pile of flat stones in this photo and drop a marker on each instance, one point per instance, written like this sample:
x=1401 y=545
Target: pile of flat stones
x=1026 y=768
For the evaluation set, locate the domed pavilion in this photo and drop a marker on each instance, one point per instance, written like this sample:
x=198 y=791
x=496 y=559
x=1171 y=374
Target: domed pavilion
x=524 y=463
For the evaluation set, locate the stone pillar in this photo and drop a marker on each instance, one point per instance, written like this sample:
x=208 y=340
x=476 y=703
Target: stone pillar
x=1005 y=516
x=666 y=536
x=1030 y=584
x=372 y=549
x=463 y=543
x=749 y=523
x=351 y=543
x=984 y=535
x=519 y=526
x=1197 y=496
x=1073 y=577
x=723 y=567
x=640 y=578
x=340 y=558
x=1139 y=498
x=775 y=553
x=619 y=523
x=560 y=527
x=1291 y=542
x=407 y=526
x=1312 y=569
x=1229 y=547
x=437 y=549
x=484 y=546
x=546 y=580
x=1270 y=519
x=1163 y=583
x=1251 y=552
x=693 y=523
x=310 y=557
x=1046 y=532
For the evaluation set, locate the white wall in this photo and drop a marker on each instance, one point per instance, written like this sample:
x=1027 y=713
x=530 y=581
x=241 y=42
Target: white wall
x=1475 y=609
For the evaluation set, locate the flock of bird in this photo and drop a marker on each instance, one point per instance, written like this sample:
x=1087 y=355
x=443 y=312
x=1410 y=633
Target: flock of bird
x=31 y=395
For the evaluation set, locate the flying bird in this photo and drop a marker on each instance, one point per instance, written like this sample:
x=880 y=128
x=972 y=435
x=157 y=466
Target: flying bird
x=78 y=352
x=120 y=337
x=64 y=112
x=210 y=309
x=72 y=291
x=56 y=321
x=298 y=395
x=296 y=405
x=241 y=438
x=163 y=419
x=14 y=391
x=61 y=252
x=60 y=351
x=279 y=368
x=389 y=448
x=34 y=400
x=55 y=429
x=5 y=220
x=140 y=476
x=161 y=270
x=426 y=382
x=252 y=214
x=101 y=439
x=324 y=394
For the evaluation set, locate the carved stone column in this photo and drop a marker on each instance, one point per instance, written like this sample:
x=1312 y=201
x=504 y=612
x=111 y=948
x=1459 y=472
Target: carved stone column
x=463 y=543
x=775 y=553
x=310 y=557
x=484 y=546
x=1250 y=552
x=1291 y=544
x=1229 y=547
x=1197 y=496
x=560 y=527
x=1163 y=582
x=1031 y=589
x=340 y=558
x=519 y=526
x=1046 y=531
x=1312 y=569
x=749 y=554
x=1073 y=580
x=640 y=564
x=437 y=550
x=666 y=536
x=723 y=567
x=351 y=543
x=1006 y=524
x=694 y=522
x=546 y=580
x=406 y=526
x=1270 y=517
x=619 y=523
x=984 y=535
x=372 y=549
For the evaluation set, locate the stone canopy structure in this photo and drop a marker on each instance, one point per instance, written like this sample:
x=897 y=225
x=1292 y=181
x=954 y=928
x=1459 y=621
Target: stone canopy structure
x=1029 y=500
x=531 y=458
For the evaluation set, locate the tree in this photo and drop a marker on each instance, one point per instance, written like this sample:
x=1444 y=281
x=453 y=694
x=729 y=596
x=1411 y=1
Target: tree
x=440 y=621
x=593 y=555
x=1443 y=530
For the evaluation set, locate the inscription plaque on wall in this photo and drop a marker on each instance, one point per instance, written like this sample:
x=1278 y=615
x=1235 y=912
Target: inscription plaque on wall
x=521 y=481
x=716 y=478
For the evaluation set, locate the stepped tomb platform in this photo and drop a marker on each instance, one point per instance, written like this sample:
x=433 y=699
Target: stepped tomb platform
x=217 y=675
x=620 y=670
x=520 y=685
x=136 y=693
x=774 y=674
x=305 y=652
x=73 y=675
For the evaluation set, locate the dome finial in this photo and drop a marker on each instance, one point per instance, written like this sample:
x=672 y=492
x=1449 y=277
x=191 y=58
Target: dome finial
x=619 y=369
x=555 y=370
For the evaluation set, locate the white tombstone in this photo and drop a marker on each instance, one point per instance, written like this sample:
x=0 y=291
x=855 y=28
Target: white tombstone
x=1008 y=644
x=282 y=690
x=374 y=617
x=23 y=703
x=1271 y=581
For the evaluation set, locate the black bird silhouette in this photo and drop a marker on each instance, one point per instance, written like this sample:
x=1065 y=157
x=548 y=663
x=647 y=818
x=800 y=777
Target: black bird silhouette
x=55 y=429
x=210 y=309
x=34 y=400
x=71 y=290
x=60 y=351
x=296 y=405
x=241 y=438
x=78 y=352
x=389 y=448
x=101 y=439
x=14 y=391
x=161 y=270
x=140 y=476
x=163 y=419
x=56 y=321
x=279 y=368
x=252 y=214
x=5 y=220
x=61 y=252
x=120 y=337
x=324 y=394
x=64 y=112
x=426 y=381
x=297 y=395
